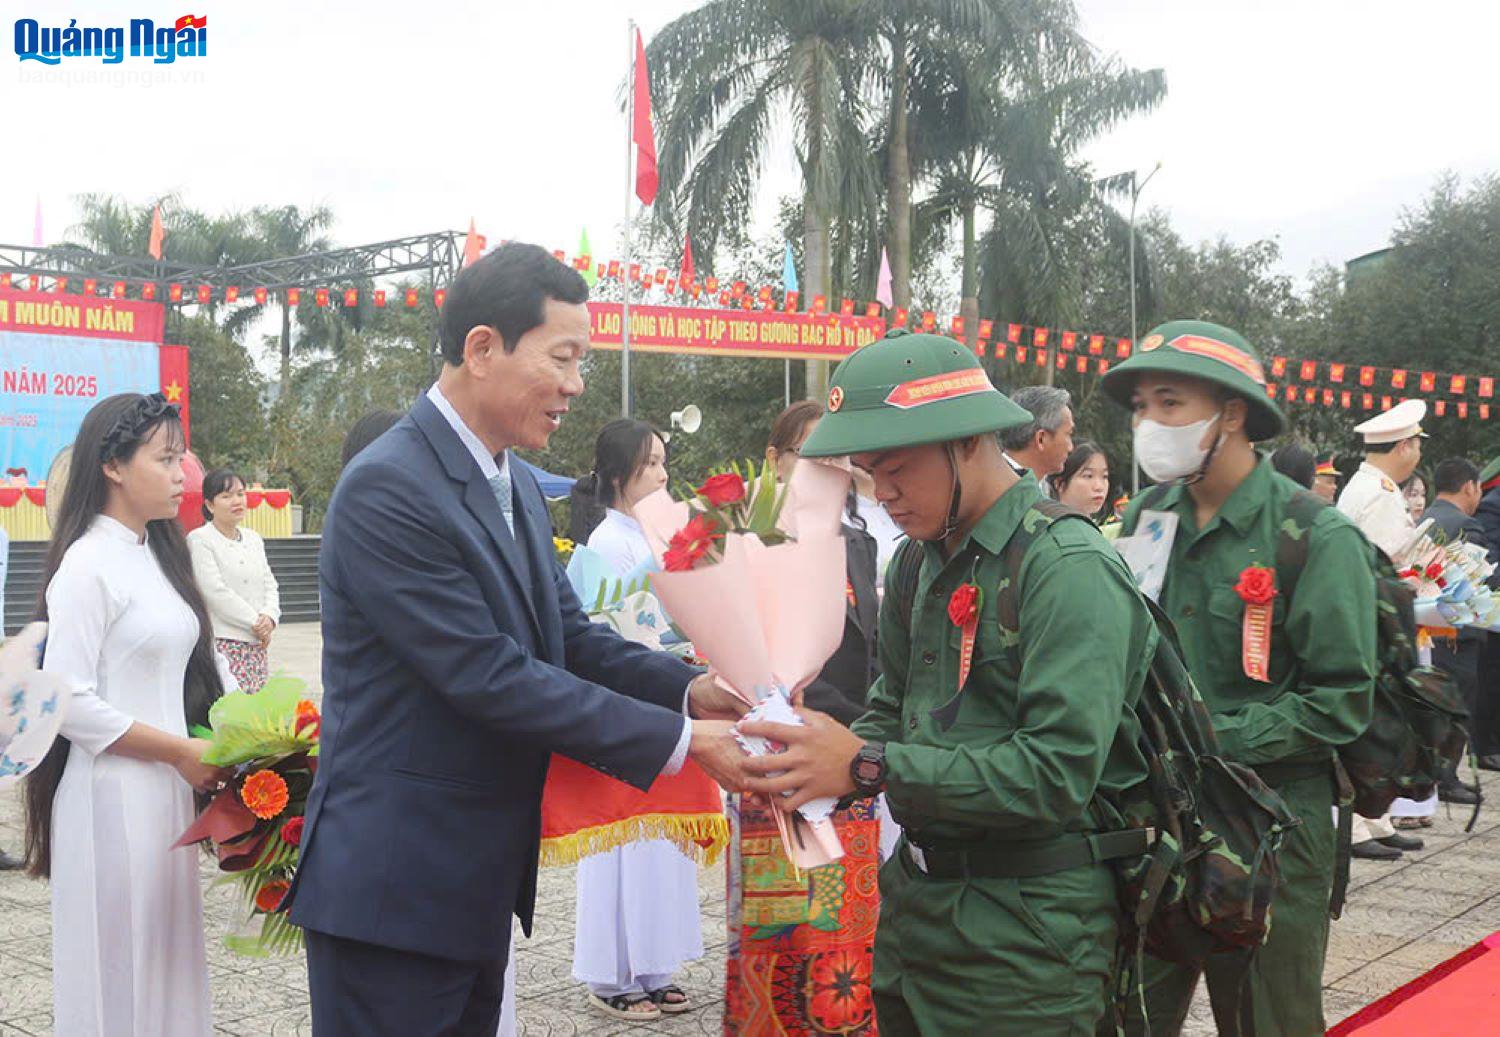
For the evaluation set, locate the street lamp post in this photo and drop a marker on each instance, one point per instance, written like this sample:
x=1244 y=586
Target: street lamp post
x=1135 y=193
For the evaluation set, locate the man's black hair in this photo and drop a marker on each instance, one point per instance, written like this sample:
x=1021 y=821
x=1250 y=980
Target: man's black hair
x=1453 y=474
x=507 y=290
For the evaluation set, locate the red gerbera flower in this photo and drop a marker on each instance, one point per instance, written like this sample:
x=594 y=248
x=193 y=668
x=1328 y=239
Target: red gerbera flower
x=691 y=543
x=265 y=793
x=269 y=897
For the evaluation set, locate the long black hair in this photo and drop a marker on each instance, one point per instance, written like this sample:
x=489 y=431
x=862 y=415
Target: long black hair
x=215 y=483
x=622 y=450
x=113 y=431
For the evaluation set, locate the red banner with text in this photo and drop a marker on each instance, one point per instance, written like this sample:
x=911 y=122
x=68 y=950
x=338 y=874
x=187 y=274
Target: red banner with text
x=755 y=333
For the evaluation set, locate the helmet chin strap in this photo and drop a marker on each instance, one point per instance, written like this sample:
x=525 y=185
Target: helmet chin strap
x=951 y=525
x=1208 y=458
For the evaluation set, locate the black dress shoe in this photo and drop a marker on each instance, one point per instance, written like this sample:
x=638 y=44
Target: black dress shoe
x=9 y=863
x=1490 y=763
x=1397 y=841
x=1458 y=793
x=1374 y=850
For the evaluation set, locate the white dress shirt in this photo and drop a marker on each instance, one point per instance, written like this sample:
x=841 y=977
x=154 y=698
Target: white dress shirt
x=490 y=468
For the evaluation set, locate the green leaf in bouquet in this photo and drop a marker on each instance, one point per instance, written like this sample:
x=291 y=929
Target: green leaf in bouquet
x=261 y=726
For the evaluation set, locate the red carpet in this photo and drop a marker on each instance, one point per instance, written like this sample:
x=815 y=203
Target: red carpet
x=1459 y=997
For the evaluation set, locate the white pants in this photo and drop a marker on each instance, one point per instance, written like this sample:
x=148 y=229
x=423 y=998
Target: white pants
x=638 y=919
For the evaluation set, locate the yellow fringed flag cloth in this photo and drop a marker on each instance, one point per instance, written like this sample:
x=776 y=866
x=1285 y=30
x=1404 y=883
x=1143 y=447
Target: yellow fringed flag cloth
x=586 y=813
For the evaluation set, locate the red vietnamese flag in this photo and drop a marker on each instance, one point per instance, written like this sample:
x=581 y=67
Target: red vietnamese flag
x=671 y=286
x=1367 y=377
x=205 y=293
x=1096 y=345
x=260 y=296
x=1486 y=387
x=900 y=317
x=158 y=234
x=34 y=282
x=294 y=296
x=1345 y=398
x=1309 y=370
x=1367 y=401
x=723 y=298
x=1122 y=348
x=1104 y=367
x=1013 y=334
x=1062 y=362
x=60 y=285
x=90 y=286
x=148 y=291
x=846 y=307
x=1020 y=354
x=5 y=280
x=1291 y=394
x=1082 y=365
x=1336 y=372
x=1398 y=379
x=232 y=294
x=175 y=293
x=1271 y=389
x=820 y=303
x=768 y=304
x=634 y=273
x=791 y=302
x=986 y=329
x=613 y=270
x=351 y=297
x=1039 y=337
x=1429 y=381
x=687 y=273
x=958 y=327
x=1385 y=403
x=1278 y=366
x=473 y=244
x=711 y=284
x=1440 y=407
x=929 y=320
x=1457 y=384
x=380 y=298
x=1000 y=348
x=320 y=296
x=1328 y=397
x=1484 y=411
x=438 y=297
x=640 y=128
x=1040 y=356
x=1463 y=409
x=119 y=289
x=1310 y=395
x=872 y=309
x=661 y=275
x=1069 y=340
x=737 y=289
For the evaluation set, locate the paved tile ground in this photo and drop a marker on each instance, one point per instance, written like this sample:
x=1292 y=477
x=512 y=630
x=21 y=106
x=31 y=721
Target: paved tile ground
x=1402 y=919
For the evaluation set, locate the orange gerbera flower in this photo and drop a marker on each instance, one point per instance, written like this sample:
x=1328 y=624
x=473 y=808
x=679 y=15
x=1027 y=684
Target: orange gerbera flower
x=265 y=793
x=269 y=897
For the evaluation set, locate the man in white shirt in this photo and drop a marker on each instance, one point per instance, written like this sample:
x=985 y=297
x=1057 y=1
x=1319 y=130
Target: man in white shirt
x=1042 y=445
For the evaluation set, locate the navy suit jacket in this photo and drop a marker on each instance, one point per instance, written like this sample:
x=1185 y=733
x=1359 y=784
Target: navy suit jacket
x=456 y=659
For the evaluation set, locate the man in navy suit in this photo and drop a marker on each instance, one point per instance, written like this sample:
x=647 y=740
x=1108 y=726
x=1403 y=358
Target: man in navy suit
x=456 y=659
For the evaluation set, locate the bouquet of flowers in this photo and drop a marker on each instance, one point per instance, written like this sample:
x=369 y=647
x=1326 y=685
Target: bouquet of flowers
x=754 y=577
x=32 y=704
x=1450 y=581
x=255 y=823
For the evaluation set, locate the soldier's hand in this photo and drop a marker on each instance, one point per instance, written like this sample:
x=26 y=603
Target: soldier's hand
x=815 y=764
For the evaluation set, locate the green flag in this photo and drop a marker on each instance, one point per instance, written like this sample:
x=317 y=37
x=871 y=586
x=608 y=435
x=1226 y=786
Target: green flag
x=584 y=251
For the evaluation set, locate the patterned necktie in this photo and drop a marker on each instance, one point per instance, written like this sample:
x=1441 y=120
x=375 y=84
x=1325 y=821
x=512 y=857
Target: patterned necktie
x=500 y=483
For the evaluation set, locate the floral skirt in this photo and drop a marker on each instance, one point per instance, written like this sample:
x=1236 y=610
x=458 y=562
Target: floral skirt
x=246 y=661
x=801 y=944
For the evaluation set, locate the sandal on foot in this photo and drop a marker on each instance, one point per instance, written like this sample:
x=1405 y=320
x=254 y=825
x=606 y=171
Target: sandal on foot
x=623 y=1006
x=659 y=998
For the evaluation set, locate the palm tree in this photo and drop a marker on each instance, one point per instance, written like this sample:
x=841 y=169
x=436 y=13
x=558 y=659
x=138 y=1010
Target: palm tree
x=725 y=72
x=998 y=134
x=286 y=231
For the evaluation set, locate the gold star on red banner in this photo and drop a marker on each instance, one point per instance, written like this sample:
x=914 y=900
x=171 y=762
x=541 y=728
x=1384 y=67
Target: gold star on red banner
x=174 y=392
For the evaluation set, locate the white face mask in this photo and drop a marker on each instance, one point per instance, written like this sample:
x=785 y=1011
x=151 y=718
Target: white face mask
x=1168 y=452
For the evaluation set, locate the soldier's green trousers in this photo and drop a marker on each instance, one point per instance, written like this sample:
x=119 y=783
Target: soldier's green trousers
x=993 y=956
x=1285 y=983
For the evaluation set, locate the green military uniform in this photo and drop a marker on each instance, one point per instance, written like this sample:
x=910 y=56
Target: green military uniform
x=1318 y=695
x=1008 y=770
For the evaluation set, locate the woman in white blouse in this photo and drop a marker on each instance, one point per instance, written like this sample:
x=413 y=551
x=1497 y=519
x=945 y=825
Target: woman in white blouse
x=128 y=629
x=638 y=920
x=238 y=586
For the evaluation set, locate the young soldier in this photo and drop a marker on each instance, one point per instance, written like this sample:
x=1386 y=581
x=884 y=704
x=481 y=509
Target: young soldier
x=999 y=734
x=1280 y=704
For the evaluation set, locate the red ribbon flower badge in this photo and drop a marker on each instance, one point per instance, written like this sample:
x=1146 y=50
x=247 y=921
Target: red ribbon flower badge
x=1257 y=589
x=963 y=611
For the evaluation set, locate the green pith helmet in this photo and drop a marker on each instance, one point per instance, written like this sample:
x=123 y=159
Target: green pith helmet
x=1489 y=472
x=906 y=390
x=1211 y=352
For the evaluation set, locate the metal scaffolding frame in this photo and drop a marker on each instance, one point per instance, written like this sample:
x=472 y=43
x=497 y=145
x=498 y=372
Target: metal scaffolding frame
x=440 y=254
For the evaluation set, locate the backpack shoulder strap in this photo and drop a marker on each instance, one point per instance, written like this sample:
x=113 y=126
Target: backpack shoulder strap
x=1293 y=538
x=901 y=580
x=1037 y=520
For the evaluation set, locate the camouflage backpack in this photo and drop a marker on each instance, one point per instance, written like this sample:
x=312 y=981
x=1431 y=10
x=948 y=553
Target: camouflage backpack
x=1416 y=731
x=1206 y=881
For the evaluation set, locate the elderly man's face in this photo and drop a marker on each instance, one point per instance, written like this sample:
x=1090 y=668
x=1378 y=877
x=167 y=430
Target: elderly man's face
x=526 y=392
x=1053 y=448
